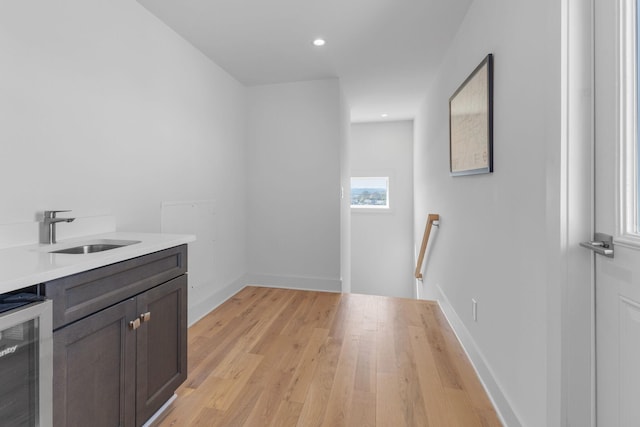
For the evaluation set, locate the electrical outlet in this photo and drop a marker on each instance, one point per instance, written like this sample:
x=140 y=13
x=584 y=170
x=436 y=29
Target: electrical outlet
x=474 y=309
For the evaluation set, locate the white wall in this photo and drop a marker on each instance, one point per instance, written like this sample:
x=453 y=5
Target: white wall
x=491 y=242
x=382 y=241
x=105 y=110
x=345 y=201
x=294 y=140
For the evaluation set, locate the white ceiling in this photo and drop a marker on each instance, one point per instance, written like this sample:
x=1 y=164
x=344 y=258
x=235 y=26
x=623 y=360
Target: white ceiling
x=383 y=51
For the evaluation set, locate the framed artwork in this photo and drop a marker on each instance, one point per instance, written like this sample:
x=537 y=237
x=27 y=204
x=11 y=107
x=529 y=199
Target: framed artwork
x=471 y=123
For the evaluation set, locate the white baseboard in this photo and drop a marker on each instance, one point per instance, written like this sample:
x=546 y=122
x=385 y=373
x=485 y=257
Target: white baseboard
x=497 y=397
x=295 y=282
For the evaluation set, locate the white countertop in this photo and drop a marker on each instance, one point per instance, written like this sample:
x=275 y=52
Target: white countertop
x=23 y=266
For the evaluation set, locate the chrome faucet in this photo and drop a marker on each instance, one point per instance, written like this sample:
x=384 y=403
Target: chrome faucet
x=49 y=222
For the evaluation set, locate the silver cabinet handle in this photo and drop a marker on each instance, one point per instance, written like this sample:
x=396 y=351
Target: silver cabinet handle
x=145 y=317
x=602 y=244
x=134 y=324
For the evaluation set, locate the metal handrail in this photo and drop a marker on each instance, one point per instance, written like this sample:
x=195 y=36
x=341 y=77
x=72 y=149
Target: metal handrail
x=432 y=220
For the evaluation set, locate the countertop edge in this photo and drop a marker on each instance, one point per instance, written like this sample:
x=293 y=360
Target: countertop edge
x=24 y=266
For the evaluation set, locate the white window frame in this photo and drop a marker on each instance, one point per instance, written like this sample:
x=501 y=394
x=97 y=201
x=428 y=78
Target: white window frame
x=373 y=208
x=627 y=148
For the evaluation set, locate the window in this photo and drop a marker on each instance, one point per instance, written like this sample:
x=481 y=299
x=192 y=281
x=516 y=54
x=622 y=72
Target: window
x=626 y=80
x=628 y=161
x=637 y=142
x=370 y=192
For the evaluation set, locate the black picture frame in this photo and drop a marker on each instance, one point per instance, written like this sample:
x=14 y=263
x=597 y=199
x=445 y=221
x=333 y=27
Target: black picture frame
x=471 y=123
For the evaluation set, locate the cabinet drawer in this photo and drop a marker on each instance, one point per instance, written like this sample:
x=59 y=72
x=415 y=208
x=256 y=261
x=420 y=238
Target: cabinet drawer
x=80 y=295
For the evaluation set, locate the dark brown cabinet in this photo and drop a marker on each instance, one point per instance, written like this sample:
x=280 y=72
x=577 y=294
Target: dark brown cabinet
x=94 y=364
x=119 y=365
x=161 y=346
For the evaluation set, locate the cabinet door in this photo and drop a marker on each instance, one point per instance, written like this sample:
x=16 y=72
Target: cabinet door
x=94 y=370
x=162 y=346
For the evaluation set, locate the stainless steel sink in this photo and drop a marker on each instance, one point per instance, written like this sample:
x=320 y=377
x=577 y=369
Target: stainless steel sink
x=86 y=249
x=97 y=246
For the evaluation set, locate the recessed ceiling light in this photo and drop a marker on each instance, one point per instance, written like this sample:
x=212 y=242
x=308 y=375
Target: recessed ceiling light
x=384 y=115
x=319 y=42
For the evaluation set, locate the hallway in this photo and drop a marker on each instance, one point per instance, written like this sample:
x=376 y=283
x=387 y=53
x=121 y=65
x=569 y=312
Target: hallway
x=279 y=357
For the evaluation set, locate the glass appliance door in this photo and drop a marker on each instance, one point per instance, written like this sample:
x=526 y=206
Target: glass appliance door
x=26 y=366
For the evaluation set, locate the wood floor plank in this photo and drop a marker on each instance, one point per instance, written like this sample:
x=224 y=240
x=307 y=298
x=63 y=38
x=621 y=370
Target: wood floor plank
x=282 y=320
x=385 y=352
x=298 y=320
x=343 y=384
x=234 y=328
x=474 y=389
x=263 y=322
x=229 y=382
x=441 y=352
x=370 y=313
x=287 y=414
x=227 y=312
x=339 y=324
x=314 y=352
x=216 y=354
x=238 y=413
x=363 y=409
x=389 y=410
x=435 y=401
x=277 y=382
x=315 y=403
x=278 y=357
x=323 y=310
x=365 y=379
x=462 y=411
x=408 y=382
x=206 y=417
x=257 y=385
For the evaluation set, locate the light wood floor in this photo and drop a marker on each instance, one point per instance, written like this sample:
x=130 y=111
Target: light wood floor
x=275 y=357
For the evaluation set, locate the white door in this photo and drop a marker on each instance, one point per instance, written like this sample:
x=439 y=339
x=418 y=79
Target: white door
x=616 y=214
